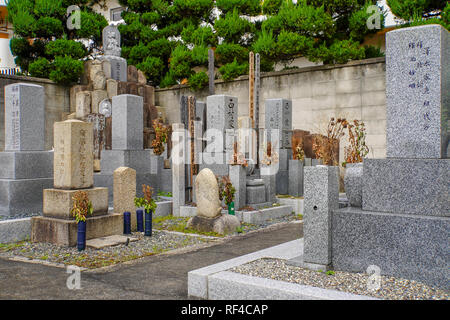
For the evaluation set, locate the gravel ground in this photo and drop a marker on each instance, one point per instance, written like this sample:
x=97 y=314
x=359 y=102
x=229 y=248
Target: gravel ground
x=356 y=283
x=92 y=258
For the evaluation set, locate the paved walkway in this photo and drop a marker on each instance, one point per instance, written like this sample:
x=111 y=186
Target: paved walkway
x=157 y=277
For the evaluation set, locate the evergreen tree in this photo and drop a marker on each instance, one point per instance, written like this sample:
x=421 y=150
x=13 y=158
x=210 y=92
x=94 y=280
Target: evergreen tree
x=43 y=44
x=418 y=12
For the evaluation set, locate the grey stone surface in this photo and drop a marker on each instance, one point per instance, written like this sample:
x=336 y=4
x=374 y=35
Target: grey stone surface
x=118 y=66
x=263 y=215
x=282 y=182
x=221 y=114
x=26 y=164
x=408 y=246
x=295 y=204
x=418 y=92
x=111 y=41
x=270 y=181
x=285 y=155
x=22 y=196
x=24 y=117
x=300 y=262
x=211 y=71
x=279 y=117
x=295 y=178
x=138 y=160
x=414 y=186
x=127 y=113
x=163 y=209
x=255 y=194
x=321 y=189
x=255 y=182
x=222 y=224
x=198 y=279
x=229 y=285
x=178 y=167
x=188 y=211
x=353 y=181
x=15 y=230
x=238 y=177
x=217 y=162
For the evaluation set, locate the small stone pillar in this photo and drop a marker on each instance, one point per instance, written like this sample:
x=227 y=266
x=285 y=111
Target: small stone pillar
x=178 y=166
x=238 y=177
x=124 y=192
x=296 y=178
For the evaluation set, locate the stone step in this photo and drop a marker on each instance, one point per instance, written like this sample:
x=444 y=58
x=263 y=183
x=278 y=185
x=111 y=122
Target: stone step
x=110 y=241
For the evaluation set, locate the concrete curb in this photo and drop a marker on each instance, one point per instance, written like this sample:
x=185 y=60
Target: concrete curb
x=214 y=282
x=15 y=230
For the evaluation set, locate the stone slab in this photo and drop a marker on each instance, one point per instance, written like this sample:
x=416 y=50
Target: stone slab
x=198 y=279
x=300 y=262
x=188 y=211
x=24 y=117
x=222 y=224
x=282 y=182
x=26 y=165
x=138 y=160
x=109 y=241
x=408 y=246
x=15 y=230
x=22 y=196
x=295 y=178
x=163 y=209
x=321 y=187
x=295 y=204
x=263 y=215
x=238 y=177
x=118 y=67
x=256 y=194
x=278 y=116
x=414 y=186
x=227 y=285
x=417 y=92
x=58 y=203
x=127 y=114
x=64 y=232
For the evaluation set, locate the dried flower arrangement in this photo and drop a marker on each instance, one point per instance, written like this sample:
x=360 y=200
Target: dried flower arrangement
x=81 y=206
x=238 y=158
x=269 y=156
x=297 y=148
x=226 y=189
x=357 y=149
x=162 y=132
x=324 y=147
x=146 y=202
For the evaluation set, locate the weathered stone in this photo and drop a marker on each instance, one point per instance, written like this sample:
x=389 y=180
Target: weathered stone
x=141 y=77
x=223 y=224
x=296 y=178
x=132 y=74
x=26 y=164
x=178 y=167
x=149 y=95
x=94 y=67
x=125 y=192
x=109 y=241
x=207 y=193
x=64 y=232
x=83 y=104
x=238 y=177
x=99 y=81
x=118 y=67
x=279 y=117
x=24 y=117
x=106 y=67
x=73 y=92
x=132 y=88
x=58 y=203
x=111 y=41
x=73 y=155
x=417 y=92
x=97 y=96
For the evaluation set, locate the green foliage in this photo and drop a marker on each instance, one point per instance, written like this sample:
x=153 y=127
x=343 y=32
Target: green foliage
x=40 y=68
x=233 y=70
x=247 y=7
x=40 y=28
x=198 y=81
x=410 y=9
x=358 y=23
x=199 y=56
x=271 y=7
x=232 y=27
x=227 y=52
x=180 y=63
x=338 y=53
x=372 y=52
x=66 y=70
x=153 y=68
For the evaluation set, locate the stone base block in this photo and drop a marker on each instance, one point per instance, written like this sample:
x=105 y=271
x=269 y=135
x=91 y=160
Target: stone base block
x=26 y=165
x=282 y=182
x=64 y=232
x=58 y=203
x=163 y=209
x=256 y=194
x=295 y=178
x=413 y=186
x=408 y=246
x=223 y=224
x=263 y=215
x=299 y=262
x=15 y=230
x=138 y=160
x=295 y=203
x=22 y=196
x=188 y=211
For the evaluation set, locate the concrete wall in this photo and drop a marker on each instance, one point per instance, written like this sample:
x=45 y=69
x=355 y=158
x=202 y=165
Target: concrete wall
x=355 y=91
x=56 y=104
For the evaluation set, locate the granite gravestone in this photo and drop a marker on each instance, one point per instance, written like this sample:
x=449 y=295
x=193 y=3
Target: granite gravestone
x=112 y=50
x=178 y=167
x=417 y=95
x=26 y=169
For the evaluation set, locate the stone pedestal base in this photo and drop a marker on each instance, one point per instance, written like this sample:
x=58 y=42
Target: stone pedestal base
x=58 y=202
x=408 y=246
x=299 y=262
x=223 y=224
x=64 y=232
x=22 y=196
x=26 y=165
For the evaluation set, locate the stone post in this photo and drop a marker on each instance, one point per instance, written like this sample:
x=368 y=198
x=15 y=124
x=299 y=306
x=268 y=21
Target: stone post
x=238 y=178
x=127 y=113
x=178 y=167
x=268 y=174
x=296 y=178
x=124 y=192
x=321 y=198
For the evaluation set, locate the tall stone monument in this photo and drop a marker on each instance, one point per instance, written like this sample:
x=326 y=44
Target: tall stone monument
x=404 y=222
x=112 y=51
x=73 y=171
x=25 y=166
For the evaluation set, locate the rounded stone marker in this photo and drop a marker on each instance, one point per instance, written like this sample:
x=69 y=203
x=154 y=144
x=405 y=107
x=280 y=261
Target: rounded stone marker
x=207 y=194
